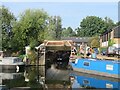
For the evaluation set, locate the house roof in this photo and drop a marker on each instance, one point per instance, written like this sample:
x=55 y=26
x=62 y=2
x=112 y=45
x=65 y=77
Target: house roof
x=77 y=39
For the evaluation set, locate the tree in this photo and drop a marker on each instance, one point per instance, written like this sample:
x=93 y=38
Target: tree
x=94 y=42
x=92 y=26
x=54 y=28
x=68 y=32
x=6 y=21
x=80 y=32
x=109 y=24
x=29 y=27
x=58 y=27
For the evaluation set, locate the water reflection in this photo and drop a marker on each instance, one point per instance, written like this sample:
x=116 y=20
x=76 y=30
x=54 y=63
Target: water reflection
x=36 y=78
x=57 y=78
x=32 y=78
x=81 y=80
x=8 y=78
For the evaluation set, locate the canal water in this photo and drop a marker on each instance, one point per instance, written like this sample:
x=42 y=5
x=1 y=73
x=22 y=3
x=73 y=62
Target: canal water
x=31 y=78
x=39 y=77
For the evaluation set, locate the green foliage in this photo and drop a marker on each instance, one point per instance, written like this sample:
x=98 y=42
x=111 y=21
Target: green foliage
x=103 y=49
x=58 y=29
x=33 y=44
x=6 y=21
x=32 y=57
x=92 y=26
x=109 y=24
x=22 y=56
x=94 y=42
x=30 y=27
x=68 y=32
x=111 y=42
x=54 y=29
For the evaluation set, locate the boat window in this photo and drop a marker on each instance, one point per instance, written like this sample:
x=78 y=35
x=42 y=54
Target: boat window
x=86 y=82
x=108 y=85
x=86 y=63
x=15 y=60
x=109 y=67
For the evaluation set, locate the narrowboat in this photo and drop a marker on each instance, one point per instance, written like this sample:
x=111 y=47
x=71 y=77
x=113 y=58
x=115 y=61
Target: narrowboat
x=11 y=63
x=107 y=68
x=81 y=80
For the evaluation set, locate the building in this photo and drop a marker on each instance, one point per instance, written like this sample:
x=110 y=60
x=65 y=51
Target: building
x=58 y=45
x=78 y=40
x=113 y=34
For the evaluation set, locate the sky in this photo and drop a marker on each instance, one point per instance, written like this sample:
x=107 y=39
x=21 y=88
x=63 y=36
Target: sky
x=71 y=13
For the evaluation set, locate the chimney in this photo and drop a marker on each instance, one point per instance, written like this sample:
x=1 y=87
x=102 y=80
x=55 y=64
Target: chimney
x=1 y=54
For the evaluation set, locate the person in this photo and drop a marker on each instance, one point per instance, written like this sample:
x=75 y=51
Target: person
x=75 y=50
x=88 y=52
x=81 y=50
x=93 y=54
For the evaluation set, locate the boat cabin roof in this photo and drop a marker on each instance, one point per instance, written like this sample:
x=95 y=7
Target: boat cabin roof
x=9 y=58
x=105 y=60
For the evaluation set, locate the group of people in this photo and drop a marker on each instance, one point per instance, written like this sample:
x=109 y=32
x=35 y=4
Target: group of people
x=88 y=51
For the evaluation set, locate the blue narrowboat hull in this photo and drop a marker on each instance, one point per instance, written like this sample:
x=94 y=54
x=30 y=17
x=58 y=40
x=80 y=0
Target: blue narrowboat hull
x=97 y=67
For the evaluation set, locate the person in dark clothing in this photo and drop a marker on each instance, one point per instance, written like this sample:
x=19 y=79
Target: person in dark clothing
x=88 y=52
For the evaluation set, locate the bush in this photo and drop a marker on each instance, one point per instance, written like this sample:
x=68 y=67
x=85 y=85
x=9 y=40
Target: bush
x=94 y=42
x=21 y=56
x=32 y=57
x=103 y=49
